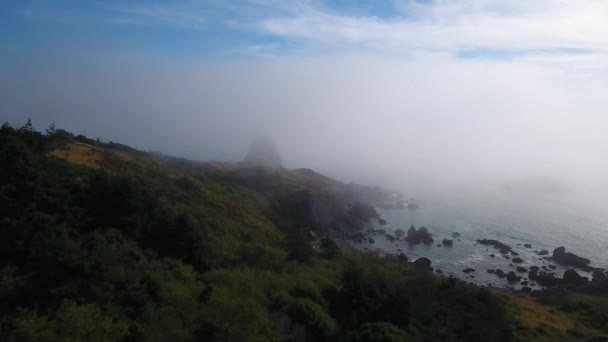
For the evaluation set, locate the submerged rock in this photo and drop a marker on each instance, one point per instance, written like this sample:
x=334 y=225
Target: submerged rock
x=527 y=245
x=518 y=260
x=468 y=270
x=389 y=237
x=496 y=244
x=448 y=242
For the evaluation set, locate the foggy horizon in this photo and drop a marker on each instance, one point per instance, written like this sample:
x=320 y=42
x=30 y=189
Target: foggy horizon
x=426 y=96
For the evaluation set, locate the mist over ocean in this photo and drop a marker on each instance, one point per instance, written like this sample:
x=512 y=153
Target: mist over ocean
x=544 y=222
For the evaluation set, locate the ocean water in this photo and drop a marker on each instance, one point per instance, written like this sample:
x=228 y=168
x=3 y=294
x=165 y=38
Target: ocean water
x=545 y=223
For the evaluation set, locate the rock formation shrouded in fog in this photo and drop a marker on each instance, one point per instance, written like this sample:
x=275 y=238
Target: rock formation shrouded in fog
x=263 y=153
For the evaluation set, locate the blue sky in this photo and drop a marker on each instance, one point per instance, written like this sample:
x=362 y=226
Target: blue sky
x=272 y=28
x=436 y=91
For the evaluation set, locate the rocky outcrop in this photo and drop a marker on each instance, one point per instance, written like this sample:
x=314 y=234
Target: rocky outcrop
x=417 y=236
x=573 y=279
x=504 y=249
x=512 y=277
x=423 y=263
x=402 y=257
x=569 y=259
x=544 y=278
x=263 y=153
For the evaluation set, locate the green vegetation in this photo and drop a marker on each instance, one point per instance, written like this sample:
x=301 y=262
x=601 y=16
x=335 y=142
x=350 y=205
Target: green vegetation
x=99 y=242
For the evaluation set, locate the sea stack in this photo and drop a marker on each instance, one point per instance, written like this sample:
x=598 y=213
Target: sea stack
x=263 y=153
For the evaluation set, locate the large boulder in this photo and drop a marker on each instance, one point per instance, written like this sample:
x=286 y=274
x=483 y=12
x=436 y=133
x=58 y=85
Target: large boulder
x=569 y=259
x=512 y=277
x=573 y=279
x=423 y=263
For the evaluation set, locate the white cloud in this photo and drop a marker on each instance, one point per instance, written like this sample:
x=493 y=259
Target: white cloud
x=545 y=26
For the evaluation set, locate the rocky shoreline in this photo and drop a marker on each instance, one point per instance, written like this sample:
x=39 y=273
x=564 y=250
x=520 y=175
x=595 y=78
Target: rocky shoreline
x=528 y=279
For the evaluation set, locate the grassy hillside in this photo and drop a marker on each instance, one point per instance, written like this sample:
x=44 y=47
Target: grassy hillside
x=100 y=242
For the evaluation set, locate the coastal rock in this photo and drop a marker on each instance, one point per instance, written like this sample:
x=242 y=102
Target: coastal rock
x=412 y=206
x=402 y=257
x=371 y=240
x=514 y=253
x=500 y=273
x=380 y=231
x=543 y=252
x=263 y=153
x=468 y=270
x=399 y=233
x=527 y=245
x=572 y=279
x=439 y=271
x=512 y=277
x=491 y=271
x=455 y=234
x=389 y=237
x=544 y=278
x=526 y=289
x=448 y=242
x=518 y=260
x=423 y=263
x=382 y=222
x=598 y=276
x=521 y=269
x=496 y=244
x=421 y=235
x=569 y=259
x=358 y=236
x=492 y=256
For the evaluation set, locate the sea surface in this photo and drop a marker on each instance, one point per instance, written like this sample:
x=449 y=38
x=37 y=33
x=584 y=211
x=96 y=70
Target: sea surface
x=545 y=223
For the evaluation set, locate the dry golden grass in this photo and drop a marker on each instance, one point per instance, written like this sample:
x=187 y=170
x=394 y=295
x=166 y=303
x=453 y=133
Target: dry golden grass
x=87 y=155
x=535 y=321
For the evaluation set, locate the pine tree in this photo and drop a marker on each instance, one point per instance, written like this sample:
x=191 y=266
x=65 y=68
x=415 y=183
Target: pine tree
x=28 y=127
x=51 y=129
